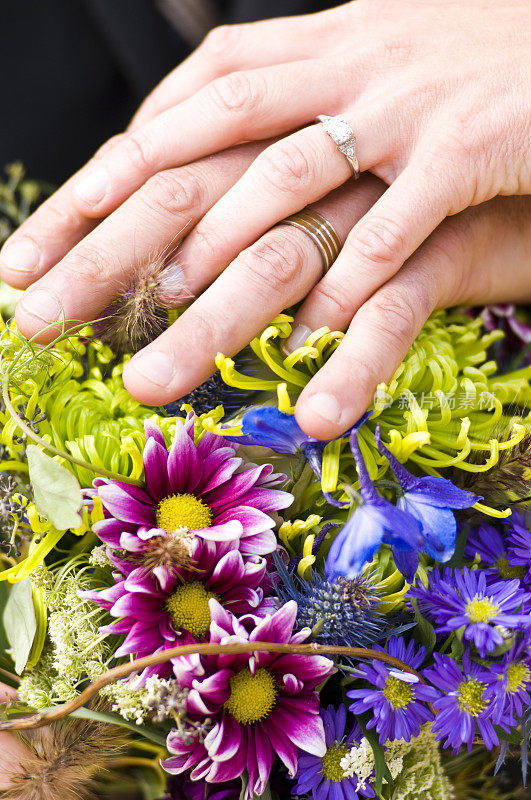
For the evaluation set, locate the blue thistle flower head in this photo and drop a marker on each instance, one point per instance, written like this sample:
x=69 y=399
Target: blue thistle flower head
x=340 y=612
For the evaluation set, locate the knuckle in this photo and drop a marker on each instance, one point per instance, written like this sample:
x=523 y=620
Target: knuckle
x=379 y=242
x=173 y=192
x=273 y=264
x=138 y=151
x=209 y=243
x=221 y=42
x=394 y=313
x=91 y=266
x=286 y=167
x=333 y=297
x=236 y=93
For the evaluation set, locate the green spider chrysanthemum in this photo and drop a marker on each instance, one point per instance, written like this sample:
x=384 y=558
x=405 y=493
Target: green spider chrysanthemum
x=444 y=406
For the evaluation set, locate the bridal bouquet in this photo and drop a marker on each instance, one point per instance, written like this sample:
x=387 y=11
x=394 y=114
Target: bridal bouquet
x=203 y=602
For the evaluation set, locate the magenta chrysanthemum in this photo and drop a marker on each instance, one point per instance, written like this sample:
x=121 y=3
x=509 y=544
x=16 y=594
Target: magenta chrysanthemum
x=198 y=530
x=260 y=705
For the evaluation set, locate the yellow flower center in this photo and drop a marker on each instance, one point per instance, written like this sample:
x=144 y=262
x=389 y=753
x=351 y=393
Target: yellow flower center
x=252 y=697
x=188 y=608
x=399 y=693
x=508 y=572
x=183 y=511
x=471 y=696
x=481 y=609
x=331 y=765
x=518 y=674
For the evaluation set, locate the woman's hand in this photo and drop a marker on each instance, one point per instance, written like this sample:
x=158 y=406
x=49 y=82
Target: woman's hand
x=437 y=93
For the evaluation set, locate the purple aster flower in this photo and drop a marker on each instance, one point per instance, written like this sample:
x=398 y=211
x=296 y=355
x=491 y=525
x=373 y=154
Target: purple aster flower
x=519 y=545
x=464 y=599
x=397 y=700
x=260 y=705
x=487 y=542
x=374 y=521
x=464 y=710
x=323 y=775
x=509 y=683
x=430 y=500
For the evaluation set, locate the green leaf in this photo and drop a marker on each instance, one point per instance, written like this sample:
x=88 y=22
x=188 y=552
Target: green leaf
x=458 y=648
x=423 y=632
x=513 y=736
x=20 y=623
x=57 y=492
x=457 y=558
x=381 y=769
x=152 y=735
x=4 y=596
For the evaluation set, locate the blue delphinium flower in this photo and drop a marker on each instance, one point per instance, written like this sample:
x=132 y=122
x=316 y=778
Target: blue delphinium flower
x=396 y=699
x=464 y=599
x=324 y=776
x=493 y=549
x=430 y=500
x=509 y=682
x=519 y=544
x=340 y=612
x=464 y=710
x=374 y=521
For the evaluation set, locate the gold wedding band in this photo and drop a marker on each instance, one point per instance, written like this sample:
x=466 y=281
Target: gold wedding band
x=322 y=233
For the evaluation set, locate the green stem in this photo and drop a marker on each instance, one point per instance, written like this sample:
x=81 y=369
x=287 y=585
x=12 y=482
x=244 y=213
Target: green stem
x=114 y=476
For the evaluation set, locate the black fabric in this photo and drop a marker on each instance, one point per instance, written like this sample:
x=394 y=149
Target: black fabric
x=73 y=71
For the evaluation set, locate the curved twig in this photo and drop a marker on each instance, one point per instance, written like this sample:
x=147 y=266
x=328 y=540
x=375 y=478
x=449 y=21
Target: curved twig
x=43 y=718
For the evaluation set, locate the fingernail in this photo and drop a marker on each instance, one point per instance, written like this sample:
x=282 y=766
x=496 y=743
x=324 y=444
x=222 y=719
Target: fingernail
x=326 y=406
x=93 y=185
x=154 y=367
x=41 y=304
x=296 y=339
x=22 y=255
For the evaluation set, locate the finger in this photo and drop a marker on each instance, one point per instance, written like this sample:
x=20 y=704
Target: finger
x=459 y=263
x=229 y=48
x=249 y=105
x=137 y=238
x=396 y=225
x=274 y=273
x=239 y=107
x=290 y=174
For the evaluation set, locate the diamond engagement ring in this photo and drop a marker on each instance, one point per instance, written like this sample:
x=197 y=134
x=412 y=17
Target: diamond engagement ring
x=342 y=134
x=322 y=233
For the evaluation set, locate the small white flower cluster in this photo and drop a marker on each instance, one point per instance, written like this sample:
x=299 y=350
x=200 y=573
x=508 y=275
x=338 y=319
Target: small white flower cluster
x=157 y=699
x=99 y=557
x=359 y=762
x=415 y=767
x=422 y=774
x=75 y=649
